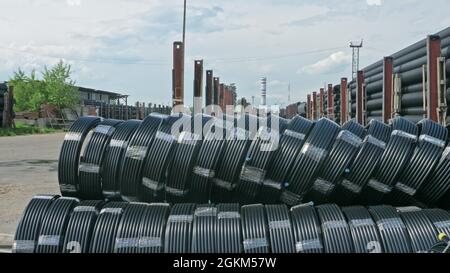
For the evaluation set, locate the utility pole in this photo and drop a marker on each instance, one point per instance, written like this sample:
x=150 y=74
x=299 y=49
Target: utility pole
x=184 y=24
x=355 y=57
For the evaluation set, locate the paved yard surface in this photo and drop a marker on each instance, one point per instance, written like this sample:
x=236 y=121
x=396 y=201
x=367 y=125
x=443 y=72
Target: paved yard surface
x=28 y=166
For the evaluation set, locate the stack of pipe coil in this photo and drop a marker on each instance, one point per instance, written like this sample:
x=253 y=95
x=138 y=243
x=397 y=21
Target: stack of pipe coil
x=246 y=159
x=53 y=224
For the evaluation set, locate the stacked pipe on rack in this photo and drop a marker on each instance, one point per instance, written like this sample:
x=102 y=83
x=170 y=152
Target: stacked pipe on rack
x=53 y=224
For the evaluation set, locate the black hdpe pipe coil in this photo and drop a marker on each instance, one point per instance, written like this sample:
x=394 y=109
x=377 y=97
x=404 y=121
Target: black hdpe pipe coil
x=392 y=230
x=134 y=159
x=158 y=159
x=105 y=229
x=113 y=158
x=335 y=229
x=440 y=220
x=89 y=177
x=363 y=230
x=379 y=130
x=426 y=155
x=397 y=154
x=259 y=157
x=127 y=237
x=291 y=143
x=185 y=155
x=69 y=156
x=80 y=227
x=178 y=236
x=309 y=160
x=54 y=225
x=27 y=232
x=255 y=231
x=438 y=182
x=207 y=160
x=235 y=147
x=204 y=229
x=153 y=227
x=228 y=231
x=280 y=229
x=344 y=150
x=359 y=172
x=421 y=231
x=307 y=230
x=355 y=128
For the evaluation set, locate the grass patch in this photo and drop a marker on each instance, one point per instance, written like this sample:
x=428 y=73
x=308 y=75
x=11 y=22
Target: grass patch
x=25 y=129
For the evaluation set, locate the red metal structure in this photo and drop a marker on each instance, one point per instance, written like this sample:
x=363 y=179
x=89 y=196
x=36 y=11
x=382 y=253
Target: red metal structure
x=178 y=74
x=308 y=107
x=388 y=86
x=198 y=85
x=434 y=52
x=314 y=105
x=216 y=87
x=209 y=96
x=330 y=109
x=344 y=101
x=360 y=98
x=321 y=102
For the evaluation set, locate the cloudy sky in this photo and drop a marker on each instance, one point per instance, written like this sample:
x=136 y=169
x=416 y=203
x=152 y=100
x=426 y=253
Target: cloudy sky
x=126 y=45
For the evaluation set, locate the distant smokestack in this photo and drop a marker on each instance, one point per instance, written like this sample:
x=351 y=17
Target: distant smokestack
x=263 y=90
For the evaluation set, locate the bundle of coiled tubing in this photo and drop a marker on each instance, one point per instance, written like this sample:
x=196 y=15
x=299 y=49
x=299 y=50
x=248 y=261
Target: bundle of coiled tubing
x=156 y=182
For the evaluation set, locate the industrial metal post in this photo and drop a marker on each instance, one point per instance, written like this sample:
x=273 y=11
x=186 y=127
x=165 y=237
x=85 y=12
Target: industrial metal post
x=434 y=53
x=314 y=108
x=388 y=86
x=198 y=86
x=360 y=98
x=178 y=74
x=321 y=103
x=209 y=88
x=216 y=87
x=330 y=97
x=222 y=96
x=308 y=106
x=344 y=102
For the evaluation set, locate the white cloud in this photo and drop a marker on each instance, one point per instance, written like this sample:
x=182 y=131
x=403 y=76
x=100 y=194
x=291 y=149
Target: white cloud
x=329 y=63
x=374 y=2
x=73 y=2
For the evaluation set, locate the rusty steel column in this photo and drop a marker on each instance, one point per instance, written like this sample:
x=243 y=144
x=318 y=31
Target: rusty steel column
x=216 y=87
x=388 y=85
x=433 y=53
x=178 y=74
x=360 y=98
x=209 y=96
x=321 y=103
x=314 y=102
x=222 y=96
x=308 y=107
x=330 y=109
x=344 y=101
x=198 y=86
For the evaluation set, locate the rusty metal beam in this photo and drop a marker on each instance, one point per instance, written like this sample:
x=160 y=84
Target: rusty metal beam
x=330 y=109
x=178 y=74
x=360 y=98
x=314 y=108
x=308 y=106
x=198 y=85
x=216 y=87
x=388 y=85
x=434 y=52
x=209 y=88
x=344 y=101
x=222 y=96
x=321 y=102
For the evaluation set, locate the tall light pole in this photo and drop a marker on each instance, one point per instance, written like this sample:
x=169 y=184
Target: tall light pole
x=355 y=57
x=184 y=24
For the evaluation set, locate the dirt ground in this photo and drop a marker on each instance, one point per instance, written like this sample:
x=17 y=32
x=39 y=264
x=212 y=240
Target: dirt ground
x=28 y=166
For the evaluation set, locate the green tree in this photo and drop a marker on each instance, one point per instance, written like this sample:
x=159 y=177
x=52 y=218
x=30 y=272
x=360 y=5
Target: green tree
x=56 y=88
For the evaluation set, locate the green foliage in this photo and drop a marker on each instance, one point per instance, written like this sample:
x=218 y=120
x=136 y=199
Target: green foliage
x=24 y=129
x=56 y=88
